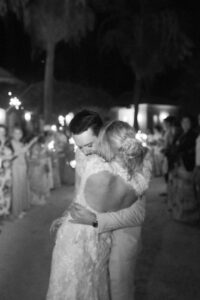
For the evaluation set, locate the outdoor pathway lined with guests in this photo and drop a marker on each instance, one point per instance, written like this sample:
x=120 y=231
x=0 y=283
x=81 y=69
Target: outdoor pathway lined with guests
x=26 y=247
x=168 y=265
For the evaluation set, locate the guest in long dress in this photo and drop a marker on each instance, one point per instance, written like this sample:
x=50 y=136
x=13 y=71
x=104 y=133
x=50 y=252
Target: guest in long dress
x=5 y=173
x=167 y=144
x=196 y=176
x=185 y=206
x=156 y=142
x=52 y=144
x=38 y=173
x=20 y=187
x=171 y=155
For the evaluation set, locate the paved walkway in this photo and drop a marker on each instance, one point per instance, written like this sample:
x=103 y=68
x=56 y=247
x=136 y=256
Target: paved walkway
x=168 y=266
x=26 y=247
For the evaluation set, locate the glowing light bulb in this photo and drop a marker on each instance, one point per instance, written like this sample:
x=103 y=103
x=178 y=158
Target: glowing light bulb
x=69 y=117
x=27 y=116
x=163 y=115
x=53 y=127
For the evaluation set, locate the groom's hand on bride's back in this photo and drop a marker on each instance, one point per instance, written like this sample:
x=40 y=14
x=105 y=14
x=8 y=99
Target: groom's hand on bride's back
x=81 y=215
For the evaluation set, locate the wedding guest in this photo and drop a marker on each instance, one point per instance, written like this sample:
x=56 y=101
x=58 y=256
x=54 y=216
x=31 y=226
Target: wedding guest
x=156 y=143
x=53 y=152
x=171 y=155
x=185 y=205
x=38 y=173
x=197 y=166
x=5 y=173
x=167 y=143
x=20 y=188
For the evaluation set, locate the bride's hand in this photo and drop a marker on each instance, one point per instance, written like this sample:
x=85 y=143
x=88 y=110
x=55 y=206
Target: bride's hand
x=55 y=225
x=81 y=215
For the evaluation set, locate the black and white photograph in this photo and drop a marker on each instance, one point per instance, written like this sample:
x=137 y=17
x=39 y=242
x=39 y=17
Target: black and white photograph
x=99 y=150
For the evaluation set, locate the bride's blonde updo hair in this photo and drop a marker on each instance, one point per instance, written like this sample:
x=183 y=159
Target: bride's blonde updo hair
x=117 y=141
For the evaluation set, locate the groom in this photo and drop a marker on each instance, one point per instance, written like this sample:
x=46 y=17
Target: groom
x=85 y=127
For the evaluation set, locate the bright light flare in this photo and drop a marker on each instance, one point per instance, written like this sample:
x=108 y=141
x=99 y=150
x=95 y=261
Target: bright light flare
x=72 y=163
x=142 y=137
x=27 y=116
x=54 y=128
x=51 y=145
x=69 y=117
x=71 y=141
x=15 y=102
x=61 y=120
x=163 y=115
x=2 y=116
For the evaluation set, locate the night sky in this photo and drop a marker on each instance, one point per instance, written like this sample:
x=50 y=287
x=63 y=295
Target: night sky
x=83 y=63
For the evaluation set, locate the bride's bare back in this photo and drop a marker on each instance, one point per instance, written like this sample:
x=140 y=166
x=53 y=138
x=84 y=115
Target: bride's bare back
x=106 y=191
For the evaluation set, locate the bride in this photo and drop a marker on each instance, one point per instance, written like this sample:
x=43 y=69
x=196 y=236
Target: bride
x=112 y=180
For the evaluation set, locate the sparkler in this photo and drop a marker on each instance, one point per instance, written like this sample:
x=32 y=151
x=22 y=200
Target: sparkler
x=15 y=102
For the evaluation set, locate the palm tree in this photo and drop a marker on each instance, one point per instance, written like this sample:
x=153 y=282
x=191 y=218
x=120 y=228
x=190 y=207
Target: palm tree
x=15 y=6
x=49 y=22
x=147 y=41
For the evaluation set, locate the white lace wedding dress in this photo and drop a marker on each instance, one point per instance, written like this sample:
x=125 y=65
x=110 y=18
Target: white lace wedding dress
x=79 y=269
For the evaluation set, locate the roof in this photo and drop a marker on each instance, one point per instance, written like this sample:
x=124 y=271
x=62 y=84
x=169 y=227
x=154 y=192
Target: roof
x=7 y=77
x=126 y=99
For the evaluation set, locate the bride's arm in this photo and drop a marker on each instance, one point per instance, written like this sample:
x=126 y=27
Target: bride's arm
x=105 y=192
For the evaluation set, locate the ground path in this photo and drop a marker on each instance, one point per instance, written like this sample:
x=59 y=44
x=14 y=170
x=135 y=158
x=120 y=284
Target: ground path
x=168 y=266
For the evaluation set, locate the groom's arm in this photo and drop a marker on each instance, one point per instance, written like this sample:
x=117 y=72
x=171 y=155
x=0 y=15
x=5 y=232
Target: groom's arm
x=104 y=193
x=129 y=217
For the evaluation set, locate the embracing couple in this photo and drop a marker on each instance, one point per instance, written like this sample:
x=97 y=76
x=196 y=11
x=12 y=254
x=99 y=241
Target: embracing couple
x=98 y=240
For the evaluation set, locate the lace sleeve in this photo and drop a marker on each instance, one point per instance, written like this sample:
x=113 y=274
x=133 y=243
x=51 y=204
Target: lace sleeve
x=95 y=164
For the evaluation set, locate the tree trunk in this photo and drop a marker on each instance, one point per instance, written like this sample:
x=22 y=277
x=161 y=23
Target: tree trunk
x=136 y=101
x=9 y=43
x=48 y=82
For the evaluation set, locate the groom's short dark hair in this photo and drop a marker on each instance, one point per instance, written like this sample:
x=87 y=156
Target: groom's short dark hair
x=84 y=120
